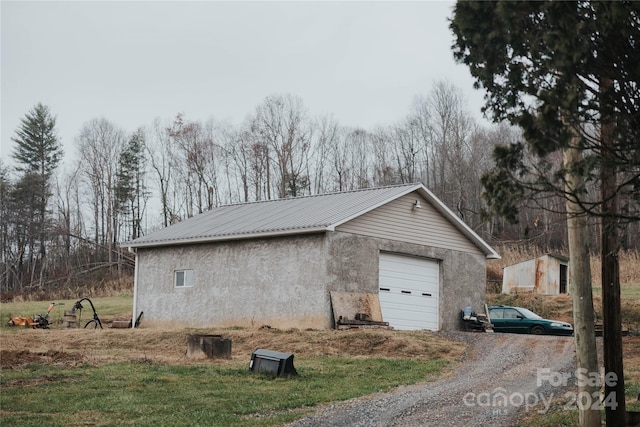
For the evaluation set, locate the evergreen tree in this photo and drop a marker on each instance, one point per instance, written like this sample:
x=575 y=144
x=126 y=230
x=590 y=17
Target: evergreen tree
x=542 y=65
x=567 y=73
x=37 y=153
x=38 y=149
x=130 y=191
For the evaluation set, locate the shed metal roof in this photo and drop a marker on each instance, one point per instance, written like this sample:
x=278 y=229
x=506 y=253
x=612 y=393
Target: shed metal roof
x=559 y=257
x=300 y=215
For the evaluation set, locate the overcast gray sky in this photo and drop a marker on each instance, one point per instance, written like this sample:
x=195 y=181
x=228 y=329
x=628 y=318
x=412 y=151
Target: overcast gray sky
x=129 y=62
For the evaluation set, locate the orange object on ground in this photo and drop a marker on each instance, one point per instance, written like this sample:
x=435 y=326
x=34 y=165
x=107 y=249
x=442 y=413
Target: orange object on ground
x=21 y=321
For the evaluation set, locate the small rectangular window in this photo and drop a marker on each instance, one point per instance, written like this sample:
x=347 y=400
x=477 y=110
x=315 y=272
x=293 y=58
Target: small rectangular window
x=183 y=278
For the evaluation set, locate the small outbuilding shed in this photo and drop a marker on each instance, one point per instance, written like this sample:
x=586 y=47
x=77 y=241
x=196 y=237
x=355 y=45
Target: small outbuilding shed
x=545 y=275
x=395 y=254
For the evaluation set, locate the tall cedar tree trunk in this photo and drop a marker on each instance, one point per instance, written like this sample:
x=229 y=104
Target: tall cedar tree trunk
x=612 y=320
x=581 y=292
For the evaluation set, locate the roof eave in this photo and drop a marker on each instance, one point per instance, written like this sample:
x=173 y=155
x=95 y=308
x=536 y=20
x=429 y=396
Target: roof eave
x=210 y=239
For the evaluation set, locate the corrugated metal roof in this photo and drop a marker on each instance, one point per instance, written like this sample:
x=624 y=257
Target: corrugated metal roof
x=289 y=216
x=559 y=257
x=301 y=214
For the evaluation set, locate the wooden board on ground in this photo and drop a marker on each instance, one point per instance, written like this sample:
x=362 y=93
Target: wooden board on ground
x=356 y=305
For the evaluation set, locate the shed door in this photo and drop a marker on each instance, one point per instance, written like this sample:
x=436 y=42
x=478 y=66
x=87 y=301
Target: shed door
x=409 y=292
x=563 y=279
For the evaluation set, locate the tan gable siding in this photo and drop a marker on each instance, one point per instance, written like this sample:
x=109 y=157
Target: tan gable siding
x=397 y=221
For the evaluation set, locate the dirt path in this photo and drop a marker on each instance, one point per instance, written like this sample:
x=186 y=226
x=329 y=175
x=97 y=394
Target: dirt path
x=502 y=377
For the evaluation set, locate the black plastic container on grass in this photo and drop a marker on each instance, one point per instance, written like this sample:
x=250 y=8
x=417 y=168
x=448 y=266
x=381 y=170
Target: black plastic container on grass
x=272 y=362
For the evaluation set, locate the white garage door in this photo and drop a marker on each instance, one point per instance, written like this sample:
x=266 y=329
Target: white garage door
x=409 y=292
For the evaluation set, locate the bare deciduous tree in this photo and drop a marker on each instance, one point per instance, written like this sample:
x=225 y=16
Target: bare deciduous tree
x=99 y=145
x=159 y=153
x=281 y=123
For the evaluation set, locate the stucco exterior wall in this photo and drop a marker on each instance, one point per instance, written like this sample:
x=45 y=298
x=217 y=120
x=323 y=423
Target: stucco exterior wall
x=276 y=282
x=353 y=266
x=285 y=282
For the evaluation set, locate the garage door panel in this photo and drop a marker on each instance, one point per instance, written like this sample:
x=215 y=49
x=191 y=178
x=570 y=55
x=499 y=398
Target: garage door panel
x=417 y=282
x=412 y=288
x=396 y=259
x=401 y=308
x=399 y=300
x=406 y=268
x=410 y=278
x=390 y=265
x=410 y=326
x=401 y=321
x=409 y=292
x=404 y=311
x=417 y=306
x=422 y=279
x=411 y=273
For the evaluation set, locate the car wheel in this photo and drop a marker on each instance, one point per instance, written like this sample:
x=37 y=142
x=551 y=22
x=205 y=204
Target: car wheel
x=537 y=330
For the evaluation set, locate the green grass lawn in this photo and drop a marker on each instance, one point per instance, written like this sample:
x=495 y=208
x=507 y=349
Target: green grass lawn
x=148 y=394
x=628 y=291
x=144 y=392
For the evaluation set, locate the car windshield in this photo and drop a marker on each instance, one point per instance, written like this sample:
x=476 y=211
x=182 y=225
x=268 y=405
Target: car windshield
x=529 y=314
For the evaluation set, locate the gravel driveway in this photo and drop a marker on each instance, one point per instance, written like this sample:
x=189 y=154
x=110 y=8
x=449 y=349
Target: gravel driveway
x=495 y=385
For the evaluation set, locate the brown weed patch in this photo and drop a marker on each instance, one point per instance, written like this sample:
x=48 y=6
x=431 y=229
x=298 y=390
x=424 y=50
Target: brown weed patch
x=12 y=359
x=169 y=346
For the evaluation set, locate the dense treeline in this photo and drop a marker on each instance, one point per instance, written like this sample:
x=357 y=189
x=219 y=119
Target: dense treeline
x=59 y=225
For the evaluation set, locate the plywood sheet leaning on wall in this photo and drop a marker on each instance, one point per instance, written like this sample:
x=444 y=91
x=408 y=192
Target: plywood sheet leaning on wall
x=356 y=309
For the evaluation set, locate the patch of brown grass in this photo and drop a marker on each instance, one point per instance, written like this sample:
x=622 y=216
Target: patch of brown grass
x=107 y=287
x=20 y=358
x=169 y=345
x=629 y=267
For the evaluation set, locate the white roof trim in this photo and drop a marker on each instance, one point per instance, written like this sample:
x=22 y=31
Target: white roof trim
x=208 y=239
